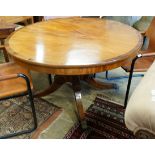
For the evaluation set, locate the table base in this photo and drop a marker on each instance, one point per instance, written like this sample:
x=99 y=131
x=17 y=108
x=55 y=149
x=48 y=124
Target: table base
x=59 y=80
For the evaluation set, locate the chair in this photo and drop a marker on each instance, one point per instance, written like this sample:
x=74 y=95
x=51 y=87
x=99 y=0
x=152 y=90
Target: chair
x=15 y=81
x=7 y=26
x=5 y=31
x=54 y=17
x=142 y=65
x=140 y=110
x=148 y=46
x=142 y=56
x=17 y=19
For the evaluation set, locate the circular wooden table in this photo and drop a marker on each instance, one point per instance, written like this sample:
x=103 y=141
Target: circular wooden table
x=74 y=48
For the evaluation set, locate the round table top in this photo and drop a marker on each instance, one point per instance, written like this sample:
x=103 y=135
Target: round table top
x=74 y=45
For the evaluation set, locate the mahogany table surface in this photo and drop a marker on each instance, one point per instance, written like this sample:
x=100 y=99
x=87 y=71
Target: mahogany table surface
x=74 y=46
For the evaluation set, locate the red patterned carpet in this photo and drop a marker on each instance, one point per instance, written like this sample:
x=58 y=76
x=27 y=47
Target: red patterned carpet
x=105 y=120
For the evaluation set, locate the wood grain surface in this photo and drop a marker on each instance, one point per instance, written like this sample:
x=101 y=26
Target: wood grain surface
x=74 y=46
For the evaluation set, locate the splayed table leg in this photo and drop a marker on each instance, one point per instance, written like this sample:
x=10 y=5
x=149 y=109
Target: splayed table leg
x=97 y=84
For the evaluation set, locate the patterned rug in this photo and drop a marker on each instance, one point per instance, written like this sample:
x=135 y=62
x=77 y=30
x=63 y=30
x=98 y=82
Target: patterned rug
x=105 y=120
x=15 y=115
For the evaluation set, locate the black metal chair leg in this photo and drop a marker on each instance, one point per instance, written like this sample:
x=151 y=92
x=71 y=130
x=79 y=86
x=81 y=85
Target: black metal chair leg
x=130 y=78
x=33 y=111
x=30 y=99
x=50 y=79
x=106 y=75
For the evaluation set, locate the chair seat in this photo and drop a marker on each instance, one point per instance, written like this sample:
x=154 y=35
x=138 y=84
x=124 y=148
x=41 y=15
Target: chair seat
x=141 y=65
x=13 y=86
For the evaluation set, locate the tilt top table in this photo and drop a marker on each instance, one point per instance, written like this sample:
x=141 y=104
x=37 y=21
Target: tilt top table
x=72 y=49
